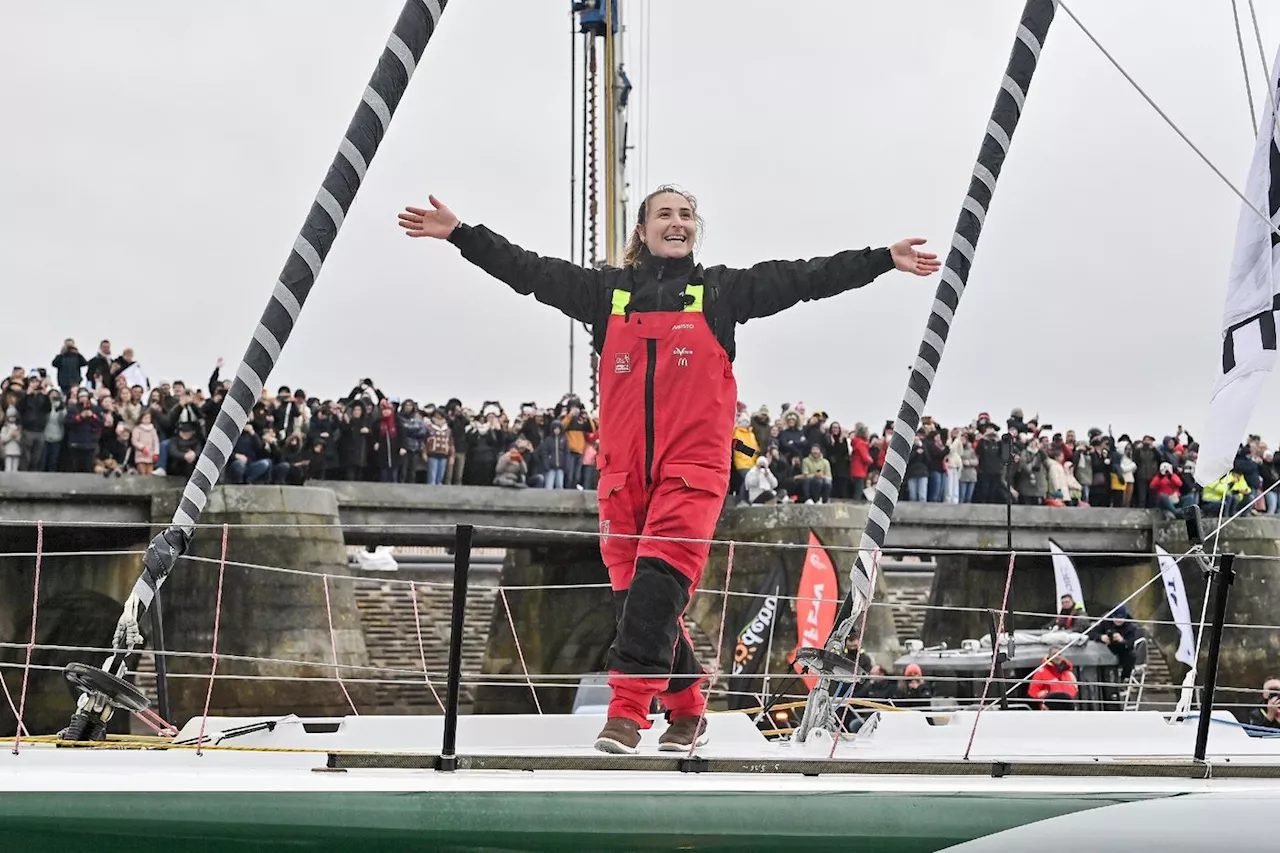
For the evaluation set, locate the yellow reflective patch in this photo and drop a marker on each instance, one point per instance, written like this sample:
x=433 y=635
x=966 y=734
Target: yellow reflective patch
x=621 y=299
x=694 y=290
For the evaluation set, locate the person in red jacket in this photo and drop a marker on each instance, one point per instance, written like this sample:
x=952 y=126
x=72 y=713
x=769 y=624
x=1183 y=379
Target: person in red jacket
x=663 y=327
x=1167 y=488
x=1053 y=684
x=860 y=461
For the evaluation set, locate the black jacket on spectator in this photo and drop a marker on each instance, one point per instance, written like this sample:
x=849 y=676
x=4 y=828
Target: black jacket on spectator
x=83 y=425
x=178 y=446
x=387 y=447
x=33 y=412
x=482 y=456
x=99 y=371
x=355 y=448
x=990 y=460
x=250 y=445
x=791 y=443
x=70 y=367
x=917 y=462
x=1248 y=468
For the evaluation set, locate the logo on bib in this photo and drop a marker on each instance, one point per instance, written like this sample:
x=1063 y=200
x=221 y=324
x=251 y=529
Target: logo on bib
x=682 y=356
x=622 y=362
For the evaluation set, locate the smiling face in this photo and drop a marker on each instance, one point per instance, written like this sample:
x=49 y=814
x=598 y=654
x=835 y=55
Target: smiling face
x=670 y=227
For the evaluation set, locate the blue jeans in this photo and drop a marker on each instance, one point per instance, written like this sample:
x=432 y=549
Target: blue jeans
x=573 y=471
x=917 y=488
x=436 y=467
x=590 y=477
x=1273 y=502
x=162 y=461
x=256 y=471
x=554 y=479
x=52 y=453
x=966 y=492
x=815 y=489
x=937 y=486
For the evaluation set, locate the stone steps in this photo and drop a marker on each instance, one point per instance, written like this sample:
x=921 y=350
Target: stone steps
x=908 y=592
x=391 y=638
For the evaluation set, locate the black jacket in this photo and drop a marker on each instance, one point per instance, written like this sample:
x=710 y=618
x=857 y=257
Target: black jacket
x=657 y=284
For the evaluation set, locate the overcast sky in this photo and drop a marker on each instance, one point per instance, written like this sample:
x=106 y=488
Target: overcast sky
x=160 y=159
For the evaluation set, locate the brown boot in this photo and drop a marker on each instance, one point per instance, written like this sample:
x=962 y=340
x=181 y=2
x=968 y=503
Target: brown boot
x=679 y=735
x=620 y=736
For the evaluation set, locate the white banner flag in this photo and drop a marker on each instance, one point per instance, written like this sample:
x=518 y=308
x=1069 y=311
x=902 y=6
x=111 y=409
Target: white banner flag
x=1064 y=575
x=1171 y=575
x=1249 y=320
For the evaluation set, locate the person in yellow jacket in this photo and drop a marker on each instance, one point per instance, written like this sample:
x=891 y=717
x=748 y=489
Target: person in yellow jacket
x=745 y=451
x=1232 y=491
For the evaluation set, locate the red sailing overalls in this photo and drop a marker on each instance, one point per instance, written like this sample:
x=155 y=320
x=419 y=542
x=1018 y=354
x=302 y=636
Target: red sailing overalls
x=667 y=404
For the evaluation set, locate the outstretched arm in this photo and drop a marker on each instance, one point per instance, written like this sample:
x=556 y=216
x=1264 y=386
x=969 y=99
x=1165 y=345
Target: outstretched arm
x=772 y=286
x=572 y=289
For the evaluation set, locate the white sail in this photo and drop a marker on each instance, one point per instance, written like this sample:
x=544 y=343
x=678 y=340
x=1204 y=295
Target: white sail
x=1248 y=321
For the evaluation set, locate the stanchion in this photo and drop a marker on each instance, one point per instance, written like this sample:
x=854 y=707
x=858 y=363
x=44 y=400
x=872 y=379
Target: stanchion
x=461 y=568
x=1221 y=579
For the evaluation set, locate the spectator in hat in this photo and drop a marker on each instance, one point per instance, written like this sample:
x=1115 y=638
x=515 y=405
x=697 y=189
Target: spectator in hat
x=915 y=692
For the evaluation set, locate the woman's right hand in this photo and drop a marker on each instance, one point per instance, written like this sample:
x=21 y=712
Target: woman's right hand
x=438 y=223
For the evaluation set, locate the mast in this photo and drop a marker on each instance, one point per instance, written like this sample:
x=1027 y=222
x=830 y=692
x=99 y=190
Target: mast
x=610 y=139
x=604 y=101
x=1037 y=15
x=418 y=21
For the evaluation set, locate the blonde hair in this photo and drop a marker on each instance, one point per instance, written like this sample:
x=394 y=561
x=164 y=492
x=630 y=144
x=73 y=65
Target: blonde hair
x=631 y=254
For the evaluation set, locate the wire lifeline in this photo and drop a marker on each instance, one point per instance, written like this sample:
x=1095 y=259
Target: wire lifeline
x=217 y=623
x=333 y=646
x=515 y=635
x=26 y=668
x=417 y=22
x=422 y=652
x=715 y=668
x=995 y=654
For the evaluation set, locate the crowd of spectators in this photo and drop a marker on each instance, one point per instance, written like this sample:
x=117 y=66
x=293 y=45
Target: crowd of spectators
x=103 y=415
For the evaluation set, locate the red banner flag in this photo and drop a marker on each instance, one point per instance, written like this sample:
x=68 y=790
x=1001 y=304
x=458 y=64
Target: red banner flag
x=817 y=601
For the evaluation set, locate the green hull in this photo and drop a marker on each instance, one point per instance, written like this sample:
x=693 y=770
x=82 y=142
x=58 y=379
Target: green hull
x=141 y=822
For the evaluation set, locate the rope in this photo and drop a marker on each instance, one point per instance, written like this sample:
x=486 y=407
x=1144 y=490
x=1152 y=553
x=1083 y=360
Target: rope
x=422 y=653
x=519 y=652
x=333 y=645
x=857 y=670
x=995 y=654
x=715 y=669
x=1225 y=180
x=1244 y=67
x=31 y=643
x=217 y=623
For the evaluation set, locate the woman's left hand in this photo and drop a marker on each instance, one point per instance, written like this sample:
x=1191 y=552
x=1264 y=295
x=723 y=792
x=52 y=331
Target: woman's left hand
x=908 y=259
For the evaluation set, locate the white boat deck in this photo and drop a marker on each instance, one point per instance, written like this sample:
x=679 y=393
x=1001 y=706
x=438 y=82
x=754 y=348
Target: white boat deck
x=1068 y=749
